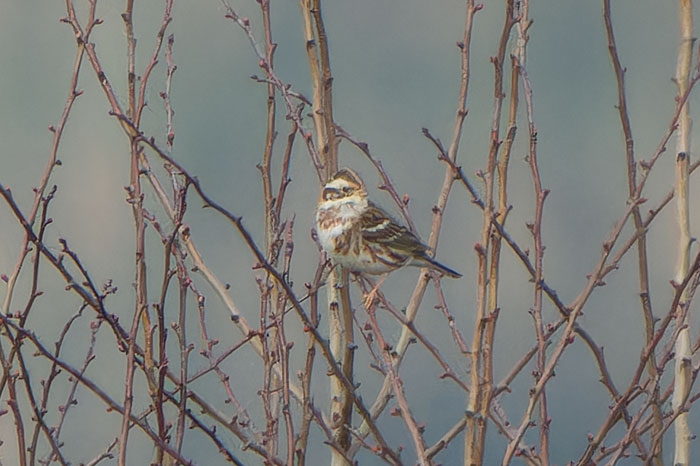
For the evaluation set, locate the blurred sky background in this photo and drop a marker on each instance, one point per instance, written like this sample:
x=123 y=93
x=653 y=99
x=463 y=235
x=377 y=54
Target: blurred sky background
x=396 y=70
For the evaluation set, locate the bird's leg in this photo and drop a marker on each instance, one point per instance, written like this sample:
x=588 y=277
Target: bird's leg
x=369 y=297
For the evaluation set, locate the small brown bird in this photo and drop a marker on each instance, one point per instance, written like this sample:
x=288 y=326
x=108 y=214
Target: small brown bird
x=362 y=237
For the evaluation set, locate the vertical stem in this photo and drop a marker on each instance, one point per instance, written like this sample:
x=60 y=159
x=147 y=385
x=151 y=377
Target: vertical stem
x=136 y=200
x=523 y=28
x=330 y=147
x=480 y=388
x=642 y=258
x=184 y=356
x=341 y=338
x=417 y=296
x=307 y=412
x=476 y=426
x=13 y=403
x=131 y=55
x=141 y=309
x=339 y=308
x=494 y=266
x=270 y=221
x=318 y=94
x=269 y=356
x=683 y=353
x=270 y=292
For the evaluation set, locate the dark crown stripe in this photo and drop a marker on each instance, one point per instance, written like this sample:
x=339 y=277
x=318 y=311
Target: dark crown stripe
x=349 y=176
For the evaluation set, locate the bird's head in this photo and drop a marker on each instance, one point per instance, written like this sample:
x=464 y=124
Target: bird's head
x=345 y=185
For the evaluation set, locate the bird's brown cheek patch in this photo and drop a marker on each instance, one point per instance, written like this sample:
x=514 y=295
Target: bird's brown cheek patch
x=330 y=223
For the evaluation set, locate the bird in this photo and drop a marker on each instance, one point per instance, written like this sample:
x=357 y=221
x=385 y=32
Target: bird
x=362 y=237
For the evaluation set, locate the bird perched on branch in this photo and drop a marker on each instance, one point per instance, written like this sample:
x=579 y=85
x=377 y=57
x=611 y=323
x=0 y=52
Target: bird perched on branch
x=362 y=237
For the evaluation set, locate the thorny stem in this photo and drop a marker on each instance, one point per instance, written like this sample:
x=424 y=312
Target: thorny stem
x=416 y=298
x=683 y=369
x=536 y=227
x=642 y=262
x=339 y=308
x=385 y=451
x=276 y=283
x=565 y=338
x=397 y=386
x=481 y=378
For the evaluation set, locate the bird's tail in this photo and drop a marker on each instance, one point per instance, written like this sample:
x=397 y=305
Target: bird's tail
x=433 y=264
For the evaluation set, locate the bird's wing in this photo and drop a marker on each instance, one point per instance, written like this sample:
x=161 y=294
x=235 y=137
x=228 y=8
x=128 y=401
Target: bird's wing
x=379 y=227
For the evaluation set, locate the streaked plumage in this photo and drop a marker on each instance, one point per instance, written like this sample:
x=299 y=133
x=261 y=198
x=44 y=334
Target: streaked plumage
x=362 y=237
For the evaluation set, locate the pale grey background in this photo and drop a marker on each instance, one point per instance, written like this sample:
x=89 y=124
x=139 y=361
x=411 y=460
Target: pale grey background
x=396 y=70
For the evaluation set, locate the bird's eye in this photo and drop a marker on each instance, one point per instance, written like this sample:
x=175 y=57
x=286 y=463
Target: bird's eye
x=346 y=189
x=330 y=193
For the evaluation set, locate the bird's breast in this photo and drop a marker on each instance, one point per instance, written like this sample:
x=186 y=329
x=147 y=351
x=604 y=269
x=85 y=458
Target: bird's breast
x=332 y=223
